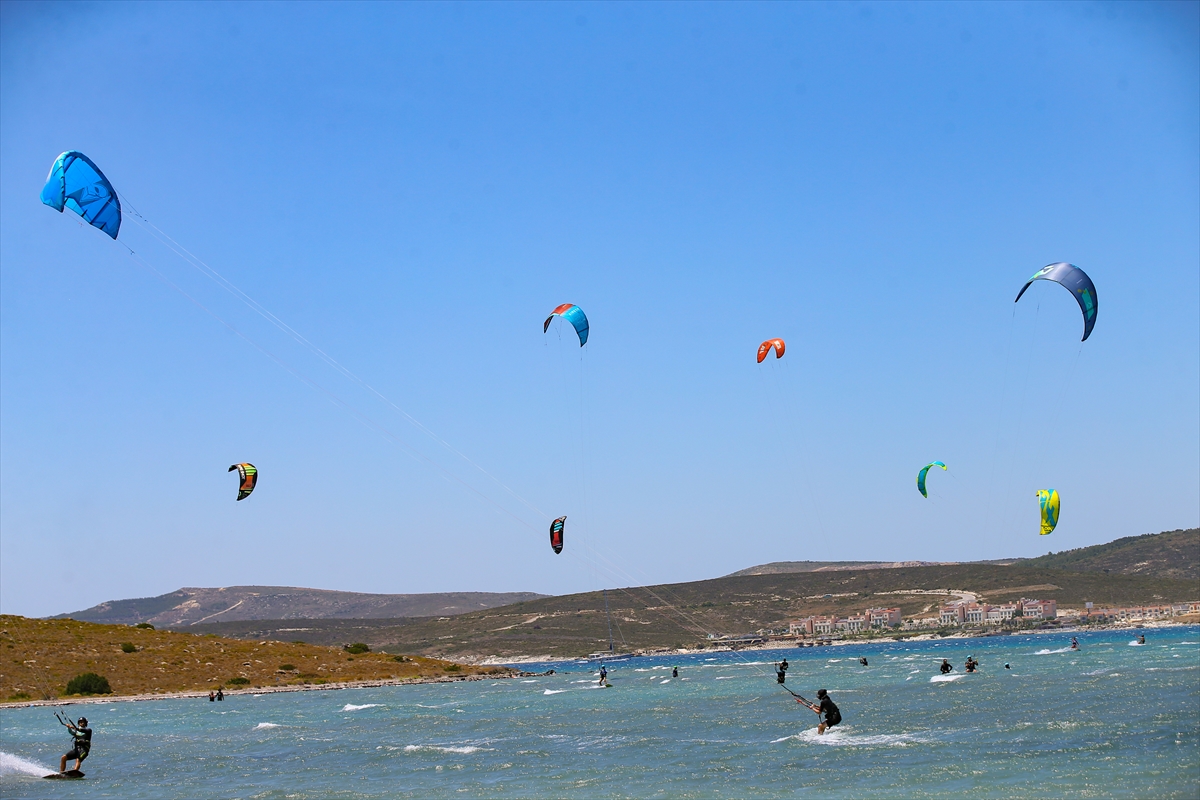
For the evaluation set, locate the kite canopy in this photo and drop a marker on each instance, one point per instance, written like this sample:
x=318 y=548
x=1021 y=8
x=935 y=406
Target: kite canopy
x=76 y=183
x=925 y=471
x=572 y=314
x=1048 y=500
x=248 y=475
x=1079 y=284
x=556 y=531
x=766 y=346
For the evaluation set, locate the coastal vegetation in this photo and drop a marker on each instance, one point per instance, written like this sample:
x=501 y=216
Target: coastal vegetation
x=46 y=659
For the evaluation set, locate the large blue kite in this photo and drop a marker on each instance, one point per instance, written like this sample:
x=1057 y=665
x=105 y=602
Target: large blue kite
x=76 y=183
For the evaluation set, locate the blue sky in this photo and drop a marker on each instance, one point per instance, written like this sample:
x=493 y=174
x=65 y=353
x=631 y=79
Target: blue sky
x=414 y=187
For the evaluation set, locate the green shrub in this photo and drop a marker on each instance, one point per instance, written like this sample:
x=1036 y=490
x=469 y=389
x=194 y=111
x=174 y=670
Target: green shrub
x=238 y=681
x=18 y=696
x=452 y=668
x=401 y=659
x=144 y=625
x=356 y=648
x=128 y=647
x=287 y=667
x=89 y=683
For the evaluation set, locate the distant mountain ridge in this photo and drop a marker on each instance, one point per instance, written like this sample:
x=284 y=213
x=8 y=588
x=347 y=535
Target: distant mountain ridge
x=191 y=606
x=1170 y=554
x=785 y=567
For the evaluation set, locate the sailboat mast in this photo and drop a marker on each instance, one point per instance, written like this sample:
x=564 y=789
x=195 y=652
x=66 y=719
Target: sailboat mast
x=610 y=641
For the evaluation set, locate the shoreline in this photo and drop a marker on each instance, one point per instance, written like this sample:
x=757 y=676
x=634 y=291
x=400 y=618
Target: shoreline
x=794 y=644
x=137 y=698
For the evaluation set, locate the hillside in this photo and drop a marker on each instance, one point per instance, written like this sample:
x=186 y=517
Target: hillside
x=1173 y=554
x=41 y=656
x=190 y=606
x=781 y=567
x=681 y=615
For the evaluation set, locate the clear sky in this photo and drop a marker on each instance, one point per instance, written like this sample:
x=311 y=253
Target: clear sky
x=414 y=187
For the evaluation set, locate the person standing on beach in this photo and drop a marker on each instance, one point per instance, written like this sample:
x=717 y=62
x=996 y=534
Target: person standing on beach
x=82 y=745
x=829 y=709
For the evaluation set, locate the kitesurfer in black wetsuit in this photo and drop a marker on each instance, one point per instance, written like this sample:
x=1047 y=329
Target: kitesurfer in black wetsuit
x=82 y=744
x=1141 y=638
x=603 y=675
x=946 y=666
x=674 y=672
x=827 y=707
x=863 y=661
x=1074 y=643
x=972 y=664
x=781 y=671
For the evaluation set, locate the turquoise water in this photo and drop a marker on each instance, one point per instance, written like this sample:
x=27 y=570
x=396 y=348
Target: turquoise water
x=1111 y=720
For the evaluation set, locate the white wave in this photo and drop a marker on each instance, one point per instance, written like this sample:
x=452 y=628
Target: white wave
x=1136 y=643
x=641 y=669
x=945 y=678
x=1187 y=642
x=15 y=765
x=554 y=691
x=845 y=738
x=528 y=681
x=1172 y=669
x=413 y=748
x=262 y=726
x=668 y=680
x=911 y=671
x=833 y=660
x=352 y=707
x=725 y=677
x=1044 y=652
x=713 y=659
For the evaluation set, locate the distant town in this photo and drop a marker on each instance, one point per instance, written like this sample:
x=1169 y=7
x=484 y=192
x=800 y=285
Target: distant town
x=965 y=614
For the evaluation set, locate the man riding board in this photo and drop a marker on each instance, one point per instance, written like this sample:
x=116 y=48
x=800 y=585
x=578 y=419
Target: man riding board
x=82 y=736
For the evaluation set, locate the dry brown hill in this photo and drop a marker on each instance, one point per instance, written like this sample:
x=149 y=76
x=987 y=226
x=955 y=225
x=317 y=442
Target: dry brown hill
x=40 y=656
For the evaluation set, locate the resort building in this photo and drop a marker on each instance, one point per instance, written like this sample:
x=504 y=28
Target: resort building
x=953 y=614
x=976 y=613
x=853 y=624
x=883 y=617
x=999 y=614
x=1038 y=609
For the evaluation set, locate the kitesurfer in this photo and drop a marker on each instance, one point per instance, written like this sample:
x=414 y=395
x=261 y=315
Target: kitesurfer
x=212 y=696
x=946 y=666
x=971 y=663
x=863 y=661
x=781 y=671
x=81 y=745
x=1006 y=666
x=674 y=672
x=1074 y=643
x=603 y=675
x=220 y=694
x=829 y=709
x=1141 y=638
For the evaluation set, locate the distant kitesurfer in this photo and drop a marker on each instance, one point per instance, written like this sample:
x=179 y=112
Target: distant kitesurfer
x=781 y=671
x=220 y=695
x=81 y=735
x=1141 y=638
x=603 y=675
x=674 y=672
x=212 y=696
x=1074 y=643
x=972 y=664
x=1006 y=666
x=863 y=661
x=827 y=707
x=946 y=666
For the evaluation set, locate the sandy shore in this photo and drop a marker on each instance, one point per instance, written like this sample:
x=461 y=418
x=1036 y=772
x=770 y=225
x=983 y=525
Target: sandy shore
x=133 y=698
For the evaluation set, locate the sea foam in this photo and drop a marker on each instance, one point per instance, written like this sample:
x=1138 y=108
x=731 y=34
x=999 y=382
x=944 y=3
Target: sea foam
x=352 y=707
x=15 y=765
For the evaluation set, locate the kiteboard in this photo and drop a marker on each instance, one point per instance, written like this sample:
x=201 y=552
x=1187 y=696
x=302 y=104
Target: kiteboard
x=68 y=775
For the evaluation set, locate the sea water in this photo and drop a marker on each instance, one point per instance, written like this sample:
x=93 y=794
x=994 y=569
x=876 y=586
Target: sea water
x=1108 y=720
